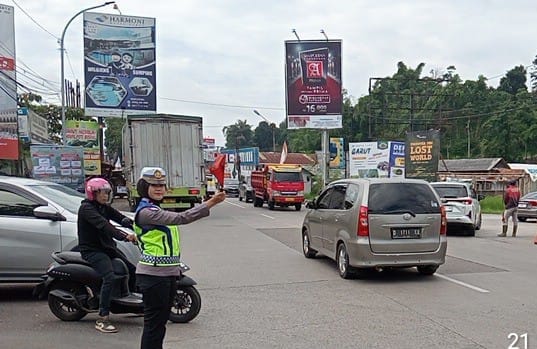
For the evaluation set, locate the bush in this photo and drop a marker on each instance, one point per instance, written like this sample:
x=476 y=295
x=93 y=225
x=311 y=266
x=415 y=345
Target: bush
x=492 y=204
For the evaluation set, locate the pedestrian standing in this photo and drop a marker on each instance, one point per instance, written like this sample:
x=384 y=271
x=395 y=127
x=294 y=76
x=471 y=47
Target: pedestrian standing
x=511 y=196
x=158 y=268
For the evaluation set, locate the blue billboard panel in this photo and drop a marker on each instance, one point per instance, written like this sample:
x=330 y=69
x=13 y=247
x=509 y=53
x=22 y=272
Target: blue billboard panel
x=119 y=65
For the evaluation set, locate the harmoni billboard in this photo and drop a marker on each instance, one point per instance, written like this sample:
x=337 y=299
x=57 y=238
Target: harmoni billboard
x=119 y=65
x=313 y=84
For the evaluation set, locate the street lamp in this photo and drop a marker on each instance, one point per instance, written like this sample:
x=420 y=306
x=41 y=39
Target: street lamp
x=271 y=125
x=61 y=42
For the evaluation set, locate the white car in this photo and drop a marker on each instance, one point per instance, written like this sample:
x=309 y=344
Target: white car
x=36 y=219
x=462 y=206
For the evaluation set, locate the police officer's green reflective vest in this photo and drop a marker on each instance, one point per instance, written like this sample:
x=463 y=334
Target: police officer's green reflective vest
x=161 y=245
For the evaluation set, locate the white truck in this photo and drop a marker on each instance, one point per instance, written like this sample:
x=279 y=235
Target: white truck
x=173 y=142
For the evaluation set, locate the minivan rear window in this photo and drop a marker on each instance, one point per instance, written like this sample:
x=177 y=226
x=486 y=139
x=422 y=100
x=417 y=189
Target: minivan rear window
x=395 y=197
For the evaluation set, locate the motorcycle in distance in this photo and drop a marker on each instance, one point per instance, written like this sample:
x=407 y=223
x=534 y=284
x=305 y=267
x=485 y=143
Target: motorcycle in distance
x=73 y=288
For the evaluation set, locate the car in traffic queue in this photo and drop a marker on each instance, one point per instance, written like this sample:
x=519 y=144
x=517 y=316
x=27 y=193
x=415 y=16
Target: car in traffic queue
x=377 y=223
x=461 y=202
x=231 y=186
x=246 y=192
x=38 y=218
x=527 y=207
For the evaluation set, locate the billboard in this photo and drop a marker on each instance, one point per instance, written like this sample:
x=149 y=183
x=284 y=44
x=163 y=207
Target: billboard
x=380 y=159
x=9 y=142
x=313 y=84
x=337 y=153
x=85 y=134
x=119 y=65
x=249 y=159
x=422 y=154
x=58 y=164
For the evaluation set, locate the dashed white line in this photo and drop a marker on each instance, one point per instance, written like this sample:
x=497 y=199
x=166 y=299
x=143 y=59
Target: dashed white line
x=464 y=284
x=234 y=204
x=264 y=215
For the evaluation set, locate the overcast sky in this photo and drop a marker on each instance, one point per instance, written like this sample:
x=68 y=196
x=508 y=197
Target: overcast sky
x=221 y=59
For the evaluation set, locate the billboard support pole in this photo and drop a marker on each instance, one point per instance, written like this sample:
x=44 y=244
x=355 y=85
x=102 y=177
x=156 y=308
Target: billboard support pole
x=324 y=150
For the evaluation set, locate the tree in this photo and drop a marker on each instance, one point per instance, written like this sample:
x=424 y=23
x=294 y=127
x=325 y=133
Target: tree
x=263 y=134
x=239 y=134
x=514 y=80
x=113 y=137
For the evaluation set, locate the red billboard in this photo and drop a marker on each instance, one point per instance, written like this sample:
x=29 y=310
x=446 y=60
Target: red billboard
x=313 y=84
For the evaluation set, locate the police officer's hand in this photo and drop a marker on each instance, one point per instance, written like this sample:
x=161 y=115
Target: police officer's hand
x=217 y=198
x=132 y=238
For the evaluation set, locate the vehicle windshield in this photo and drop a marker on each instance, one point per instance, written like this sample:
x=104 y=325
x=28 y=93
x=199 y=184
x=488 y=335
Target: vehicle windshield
x=401 y=198
x=287 y=177
x=450 y=191
x=231 y=181
x=66 y=197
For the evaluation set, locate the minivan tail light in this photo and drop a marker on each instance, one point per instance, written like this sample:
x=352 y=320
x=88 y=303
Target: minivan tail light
x=363 y=222
x=443 y=221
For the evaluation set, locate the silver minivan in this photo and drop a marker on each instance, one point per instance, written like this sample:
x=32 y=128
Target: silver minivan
x=377 y=223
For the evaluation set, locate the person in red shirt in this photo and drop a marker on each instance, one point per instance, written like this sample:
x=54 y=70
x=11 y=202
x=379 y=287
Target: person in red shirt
x=511 y=196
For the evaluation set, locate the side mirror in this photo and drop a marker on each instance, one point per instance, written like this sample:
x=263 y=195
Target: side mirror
x=311 y=204
x=47 y=212
x=480 y=197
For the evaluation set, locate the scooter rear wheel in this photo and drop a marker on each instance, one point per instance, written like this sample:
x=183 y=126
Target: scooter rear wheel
x=63 y=310
x=186 y=305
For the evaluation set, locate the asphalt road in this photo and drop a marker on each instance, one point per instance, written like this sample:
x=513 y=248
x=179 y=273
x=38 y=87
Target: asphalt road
x=258 y=291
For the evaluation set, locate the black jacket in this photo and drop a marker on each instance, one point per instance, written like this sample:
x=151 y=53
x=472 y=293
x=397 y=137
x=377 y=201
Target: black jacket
x=95 y=232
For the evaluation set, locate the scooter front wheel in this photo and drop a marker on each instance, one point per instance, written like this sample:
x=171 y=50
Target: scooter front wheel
x=186 y=305
x=63 y=309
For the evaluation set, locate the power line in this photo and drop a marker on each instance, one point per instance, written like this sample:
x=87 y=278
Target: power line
x=219 y=104
x=33 y=20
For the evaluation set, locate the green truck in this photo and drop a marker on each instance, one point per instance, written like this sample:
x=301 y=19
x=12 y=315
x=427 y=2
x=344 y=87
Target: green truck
x=173 y=142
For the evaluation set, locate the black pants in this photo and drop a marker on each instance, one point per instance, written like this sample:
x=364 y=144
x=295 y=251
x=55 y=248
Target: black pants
x=158 y=293
x=102 y=263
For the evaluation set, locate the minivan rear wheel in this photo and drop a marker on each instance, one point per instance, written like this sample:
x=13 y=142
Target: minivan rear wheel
x=306 y=247
x=345 y=270
x=427 y=269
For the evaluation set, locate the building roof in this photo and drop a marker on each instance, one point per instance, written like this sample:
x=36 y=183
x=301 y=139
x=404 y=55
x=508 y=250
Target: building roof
x=269 y=157
x=471 y=165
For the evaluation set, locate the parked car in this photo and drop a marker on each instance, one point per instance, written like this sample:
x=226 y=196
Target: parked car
x=462 y=206
x=231 y=186
x=246 y=192
x=527 y=206
x=36 y=219
x=377 y=223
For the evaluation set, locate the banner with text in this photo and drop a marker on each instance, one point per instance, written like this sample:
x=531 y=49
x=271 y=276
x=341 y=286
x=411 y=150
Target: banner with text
x=313 y=84
x=85 y=134
x=380 y=159
x=58 y=164
x=337 y=153
x=422 y=154
x=119 y=65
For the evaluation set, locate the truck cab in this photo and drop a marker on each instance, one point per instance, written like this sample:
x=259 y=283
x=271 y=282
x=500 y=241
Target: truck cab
x=278 y=185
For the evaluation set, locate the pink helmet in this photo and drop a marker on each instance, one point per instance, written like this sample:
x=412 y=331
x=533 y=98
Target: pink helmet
x=96 y=184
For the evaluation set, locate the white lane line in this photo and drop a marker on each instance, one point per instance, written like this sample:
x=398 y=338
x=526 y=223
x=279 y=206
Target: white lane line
x=234 y=204
x=472 y=287
x=264 y=215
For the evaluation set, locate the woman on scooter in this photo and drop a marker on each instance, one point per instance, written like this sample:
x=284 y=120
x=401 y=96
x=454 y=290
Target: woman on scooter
x=158 y=268
x=96 y=243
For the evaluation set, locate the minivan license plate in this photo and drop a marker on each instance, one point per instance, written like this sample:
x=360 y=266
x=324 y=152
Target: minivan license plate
x=406 y=233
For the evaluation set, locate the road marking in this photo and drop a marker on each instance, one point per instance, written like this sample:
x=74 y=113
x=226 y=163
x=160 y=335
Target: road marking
x=472 y=287
x=234 y=204
x=264 y=215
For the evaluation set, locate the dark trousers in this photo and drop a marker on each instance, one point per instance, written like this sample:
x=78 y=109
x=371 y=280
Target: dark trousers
x=102 y=263
x=158 y=293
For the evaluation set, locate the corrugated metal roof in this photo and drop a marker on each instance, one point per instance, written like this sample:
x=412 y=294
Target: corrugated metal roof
x=484 y=164
x=268 y=157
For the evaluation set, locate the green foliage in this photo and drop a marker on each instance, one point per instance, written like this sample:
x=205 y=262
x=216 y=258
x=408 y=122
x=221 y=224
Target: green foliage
x=239 y=134
x=492 y=204
x=112 y=136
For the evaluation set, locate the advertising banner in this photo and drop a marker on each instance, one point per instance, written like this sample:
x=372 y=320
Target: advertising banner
x=23 y=124
x=422 y=154
x=9 y=141
x=85 y=134
x=380 y=159
x=38 y=127
x=119 y=65
x=58 y=164
x=249 y=159
x=313 y=84
x=337 y=153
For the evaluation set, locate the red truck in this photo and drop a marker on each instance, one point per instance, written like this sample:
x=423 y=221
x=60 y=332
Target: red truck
x=278 y=185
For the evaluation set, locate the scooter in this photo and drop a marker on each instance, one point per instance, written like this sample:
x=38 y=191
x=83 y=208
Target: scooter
x=73 y=288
